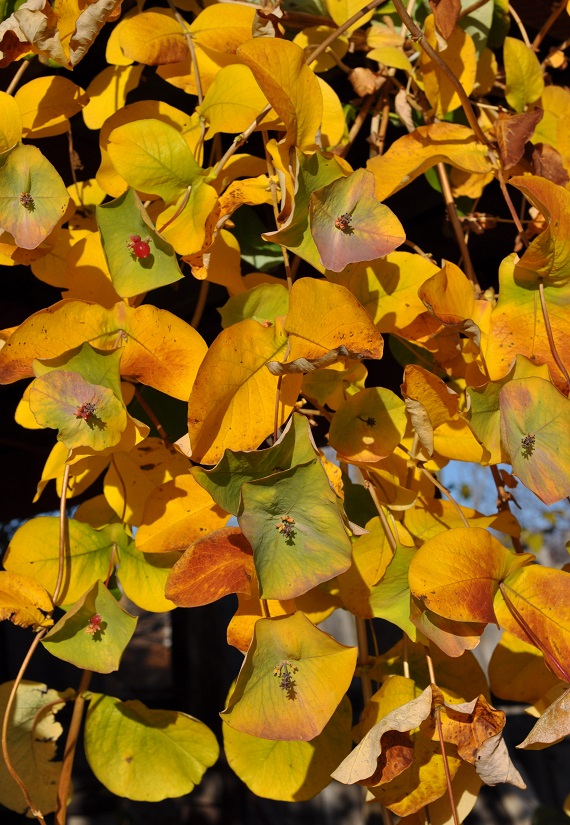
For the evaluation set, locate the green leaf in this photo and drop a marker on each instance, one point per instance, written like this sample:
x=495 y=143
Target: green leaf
x=224 y=481
x=290 y=771
x=523 y=74
x=118 y=221
x=143 y=575
x=146 y=755
x=33 y=197
x=90 y=645
x=94 y=365
x=153 y=157
x=31 y=738
x=349 y=224
x=263 y=303
x=293 y=522
x=390 y=598
x=85 y=415
x=266 y=703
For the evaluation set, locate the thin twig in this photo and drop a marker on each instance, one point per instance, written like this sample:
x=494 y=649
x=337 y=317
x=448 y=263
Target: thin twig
x=62 y=533
x=417 y=33
x=200 y=304
x=547 y=25
x=446 y=493
x=70 y=746
x=357 y=125
x=17 y=77
x=511 y=206
x=550 y=336
x=363 y=658
x=276 y=414
x=239 y=140
x=458 y=231
x=152 y=416
x=378 y=131
x=391 y=538
x=520 y=24
x=473 y=7
x=5 y=724
x=503 y=503
x=178 y=211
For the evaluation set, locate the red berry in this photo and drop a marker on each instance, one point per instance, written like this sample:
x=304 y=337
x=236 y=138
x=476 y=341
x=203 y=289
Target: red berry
x=141 y=249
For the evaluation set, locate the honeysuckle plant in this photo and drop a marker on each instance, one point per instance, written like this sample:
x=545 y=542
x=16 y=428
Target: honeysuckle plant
x=484 y=381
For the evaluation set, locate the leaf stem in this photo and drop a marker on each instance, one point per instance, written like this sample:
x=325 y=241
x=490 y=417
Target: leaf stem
x=70 y=747
x=178 y=211
x=418 y=35
x=152 y=416
x=365 y=107
x=17 y=77
x=273 y=187
x=390 y=536
x=511 y=206
x=363 y=658
x=200 y=304
x=547 y=25
x=63 y=536
x=276 y=413
x=455 y=223
x=8 y=712
x=446 y=493
x=437 y=714
x=550 y=336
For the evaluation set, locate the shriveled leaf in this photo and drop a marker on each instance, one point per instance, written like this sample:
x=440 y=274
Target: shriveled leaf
x=295 y=446
x=369 y=425
x=552 y=727
x=294 y=525
x=268 y=704
x=146 y=755
x=289 y=85
x=47 y=103
x=233 y=377
x=23 y=601
x=513 y=132
x=159 y=348
x=92 y=643
x=212 y=567
x=153 y=37
x=349 y=224
x=176 y=514
x=289 y=771
x=457 y=573
x=535 y=421
x=429 y=403
x=446 y=14
x=32 y=743
x=33 y=197
x=119 y=222
x=361 y=764
x=523 y=74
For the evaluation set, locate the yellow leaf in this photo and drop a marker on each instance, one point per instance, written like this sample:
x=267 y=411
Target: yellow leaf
x=133 y=476
x=265 y=703
x=323 y=316
x=517 y=671
x=391 y=56
x=46 y=103
x=11 y=123
x=432 y=516
x=369 y=425
x=189 y=233
x=176 y=514
x=223 y=28
x=24 y=601
x=371 y=556
x=523 y=74
x=487 y=70
x=411 y=155
x=224 y=267
x=333 y=126
x=232 y=404
x=108 y=93
x=82 y=474
x=460 y=56
x=308 y=39
x=113 y=53
x=181 y=75
x=342 y=10
x=289 y=85
x=233 y=101
x=289 y=771
x=159 y=349
x=87 y=274
x=153 y=37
